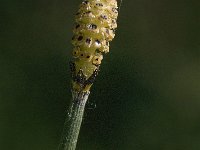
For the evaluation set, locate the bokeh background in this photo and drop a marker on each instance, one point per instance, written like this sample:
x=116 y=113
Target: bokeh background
x=146 y=97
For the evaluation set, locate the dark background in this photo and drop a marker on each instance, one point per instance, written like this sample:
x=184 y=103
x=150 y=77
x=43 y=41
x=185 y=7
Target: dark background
x=146 y=97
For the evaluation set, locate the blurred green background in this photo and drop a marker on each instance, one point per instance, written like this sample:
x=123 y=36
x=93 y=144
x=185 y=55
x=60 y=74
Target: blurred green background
x=146 y=97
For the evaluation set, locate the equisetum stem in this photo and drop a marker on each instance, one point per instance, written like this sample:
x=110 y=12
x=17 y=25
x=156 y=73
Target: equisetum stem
x=73 y=121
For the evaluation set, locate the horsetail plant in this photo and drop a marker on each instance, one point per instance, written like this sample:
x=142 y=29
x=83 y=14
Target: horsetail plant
x=94 y=29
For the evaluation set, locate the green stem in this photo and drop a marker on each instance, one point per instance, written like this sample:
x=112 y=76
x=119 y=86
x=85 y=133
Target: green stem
x=73 y=121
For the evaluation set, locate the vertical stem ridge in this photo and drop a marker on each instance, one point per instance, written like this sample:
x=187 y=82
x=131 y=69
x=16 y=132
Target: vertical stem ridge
x=73 y=121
